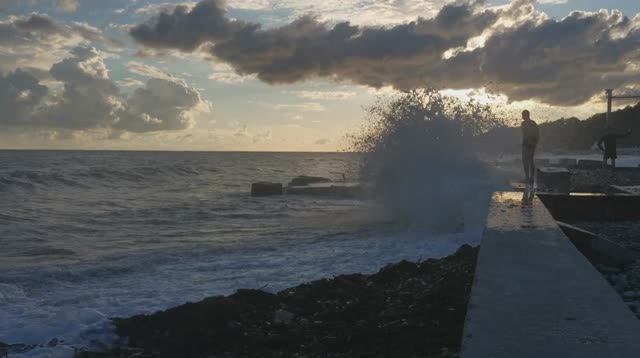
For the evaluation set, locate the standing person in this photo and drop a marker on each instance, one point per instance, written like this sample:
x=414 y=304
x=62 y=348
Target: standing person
x=610 y=141
x=530 y=138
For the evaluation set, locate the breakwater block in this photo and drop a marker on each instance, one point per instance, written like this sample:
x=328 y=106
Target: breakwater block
x=567 y=162
x=592 y=206
x=542 y=162
x=557 y=180
x=599 y=250
x=307 y=180
x=266 y=189
x=589 y=164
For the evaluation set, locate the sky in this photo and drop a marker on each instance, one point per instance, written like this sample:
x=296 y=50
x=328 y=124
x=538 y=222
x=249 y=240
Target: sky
x=292 y=75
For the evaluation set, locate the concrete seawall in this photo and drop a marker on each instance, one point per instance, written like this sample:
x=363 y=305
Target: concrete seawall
x=535 y=295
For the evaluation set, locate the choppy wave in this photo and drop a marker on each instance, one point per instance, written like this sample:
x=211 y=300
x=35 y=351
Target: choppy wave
x=96 y=176
x=90 y=235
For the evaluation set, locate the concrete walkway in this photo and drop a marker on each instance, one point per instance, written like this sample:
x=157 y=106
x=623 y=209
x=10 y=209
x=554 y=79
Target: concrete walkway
x=534 y=295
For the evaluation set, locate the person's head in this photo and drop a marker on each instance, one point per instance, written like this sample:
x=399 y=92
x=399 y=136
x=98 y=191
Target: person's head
x=526 y=115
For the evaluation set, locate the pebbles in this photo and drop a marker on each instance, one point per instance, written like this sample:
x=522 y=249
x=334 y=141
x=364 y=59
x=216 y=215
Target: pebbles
x=405 y=310
x=623 y=233
x=627 y=282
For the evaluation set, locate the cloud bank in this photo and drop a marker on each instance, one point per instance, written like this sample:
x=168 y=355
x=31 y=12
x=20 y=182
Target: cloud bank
x=512 y=49
x=90 y=100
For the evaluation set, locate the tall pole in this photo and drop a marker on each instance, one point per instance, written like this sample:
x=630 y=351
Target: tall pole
x=609 y=100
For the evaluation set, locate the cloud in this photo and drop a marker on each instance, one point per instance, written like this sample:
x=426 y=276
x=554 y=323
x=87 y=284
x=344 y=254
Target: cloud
x=261 y=136
x=20 y=93
x=305 y=107
x=514 y=49
x=324 y=95
x=225 y=74
x=322 y=141
x=162 y=105
x=90 y=101
x=130 y=82
x=39 y=40
x=145 y=70
x=66 y=5
x=158 y=8
x=186 y=28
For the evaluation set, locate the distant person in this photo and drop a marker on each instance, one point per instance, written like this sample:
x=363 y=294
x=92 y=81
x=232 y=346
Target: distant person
x=530 y=138
x=608 y=143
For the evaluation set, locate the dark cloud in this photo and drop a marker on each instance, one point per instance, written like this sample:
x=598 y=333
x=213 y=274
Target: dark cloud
x=562 y=62
x=20 y=93
x=525 y=54
x=186 y=28
x=40 y=24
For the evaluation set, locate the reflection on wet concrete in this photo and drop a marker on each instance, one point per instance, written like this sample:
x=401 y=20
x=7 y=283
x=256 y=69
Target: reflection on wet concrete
x=531 y=213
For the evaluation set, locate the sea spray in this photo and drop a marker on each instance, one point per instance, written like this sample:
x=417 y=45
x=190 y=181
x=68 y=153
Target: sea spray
x=419 y=155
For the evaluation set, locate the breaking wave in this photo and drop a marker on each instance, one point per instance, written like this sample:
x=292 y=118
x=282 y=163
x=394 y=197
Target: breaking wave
x=420 y=157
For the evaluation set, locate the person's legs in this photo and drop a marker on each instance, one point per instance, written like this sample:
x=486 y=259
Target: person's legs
x=604 y=160
x=525 y=164
x=532 y=169
x=613 y=162
x=529 y=164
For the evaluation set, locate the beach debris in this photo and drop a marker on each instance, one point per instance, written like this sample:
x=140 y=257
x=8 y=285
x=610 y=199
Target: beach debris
x=266 y=189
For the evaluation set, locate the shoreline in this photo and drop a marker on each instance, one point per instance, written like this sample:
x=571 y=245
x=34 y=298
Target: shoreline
x=405 y=309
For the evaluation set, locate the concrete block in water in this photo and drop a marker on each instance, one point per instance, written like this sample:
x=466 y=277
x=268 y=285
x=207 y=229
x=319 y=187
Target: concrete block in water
x=592 y=206
x=266 y=189
x=542 y=162
x=568 y=162
x=557 y=180
x=588 y=163
x=307 y=180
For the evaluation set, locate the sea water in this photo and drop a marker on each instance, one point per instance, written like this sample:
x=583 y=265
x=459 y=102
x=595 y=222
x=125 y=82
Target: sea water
x=85 y=236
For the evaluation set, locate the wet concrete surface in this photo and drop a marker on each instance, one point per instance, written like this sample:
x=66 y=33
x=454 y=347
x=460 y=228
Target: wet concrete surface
x=535 y=295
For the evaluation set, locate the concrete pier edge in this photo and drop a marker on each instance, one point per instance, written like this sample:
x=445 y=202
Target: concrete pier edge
x=535 y=295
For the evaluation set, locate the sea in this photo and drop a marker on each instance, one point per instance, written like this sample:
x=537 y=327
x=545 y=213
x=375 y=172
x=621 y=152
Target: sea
x=90 y=235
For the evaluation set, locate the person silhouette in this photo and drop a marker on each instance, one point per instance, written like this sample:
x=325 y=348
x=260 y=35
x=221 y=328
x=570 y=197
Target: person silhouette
x=530 y=138
x=608 y=143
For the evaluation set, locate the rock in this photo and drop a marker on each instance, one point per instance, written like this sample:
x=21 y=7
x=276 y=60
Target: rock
x=266 y=189
x=282 y=316
x=306 y=180
x=53 y=342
